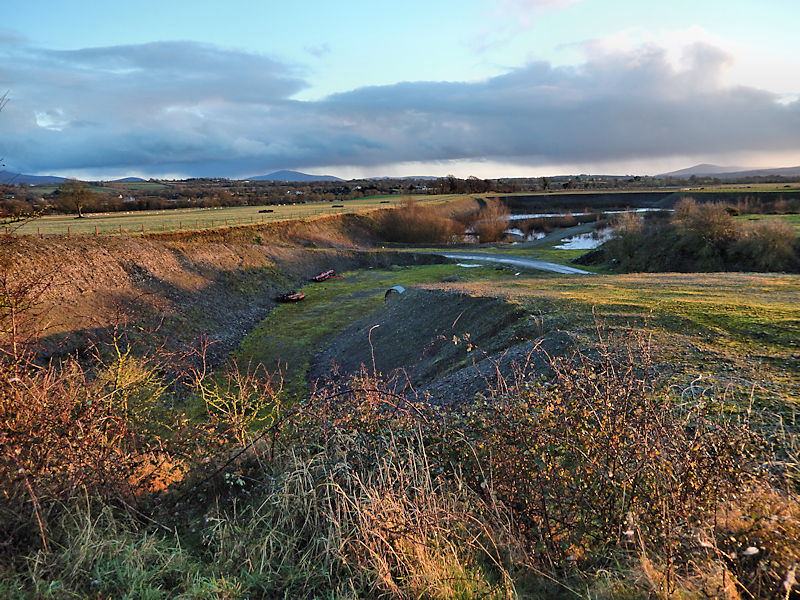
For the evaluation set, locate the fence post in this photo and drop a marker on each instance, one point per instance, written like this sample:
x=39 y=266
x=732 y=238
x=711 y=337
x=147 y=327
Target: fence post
x=95 y=230
x=180 y=225
x=142 y=227
x=120 y=229
x=69 y=231
x=197 y=224
x=39 y=231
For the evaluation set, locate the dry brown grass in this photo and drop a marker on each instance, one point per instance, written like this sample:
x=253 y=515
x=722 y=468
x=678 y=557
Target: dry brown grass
x=417 y=224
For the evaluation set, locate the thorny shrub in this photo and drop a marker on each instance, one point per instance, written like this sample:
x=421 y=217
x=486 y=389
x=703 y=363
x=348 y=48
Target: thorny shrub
x=594 y=461
x=236 y=401
x=60 y=437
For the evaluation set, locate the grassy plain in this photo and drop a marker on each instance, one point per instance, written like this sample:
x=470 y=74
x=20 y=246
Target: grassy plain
x=708 y=323
x=748 y=187
x=189 y=219
x=793 y=220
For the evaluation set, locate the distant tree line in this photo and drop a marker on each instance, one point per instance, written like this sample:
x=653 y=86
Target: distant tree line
x=19 y=200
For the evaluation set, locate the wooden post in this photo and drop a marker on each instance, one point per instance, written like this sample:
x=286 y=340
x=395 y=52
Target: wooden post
x=120 y=229
x=197 y=224
x=95 y=230
x=69 y=231
x=39 y=231
x=163 y=227
x=142 y=227
x=180 y=225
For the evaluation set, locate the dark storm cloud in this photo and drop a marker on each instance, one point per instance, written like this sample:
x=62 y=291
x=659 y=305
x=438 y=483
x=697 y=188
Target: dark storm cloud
x=195 y=109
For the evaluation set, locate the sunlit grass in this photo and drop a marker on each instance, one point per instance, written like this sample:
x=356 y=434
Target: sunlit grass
x=191 y=219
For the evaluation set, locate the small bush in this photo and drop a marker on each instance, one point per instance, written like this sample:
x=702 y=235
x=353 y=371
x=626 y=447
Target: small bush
x=416 y=224
x=703 y=237
x=491 y=222
x=769 y=245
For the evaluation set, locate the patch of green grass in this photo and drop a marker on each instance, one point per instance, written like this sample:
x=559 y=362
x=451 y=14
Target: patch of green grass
x=746 y=323
x=793 y=220
x=293 y=333
x=749 y=187
x=753 y=309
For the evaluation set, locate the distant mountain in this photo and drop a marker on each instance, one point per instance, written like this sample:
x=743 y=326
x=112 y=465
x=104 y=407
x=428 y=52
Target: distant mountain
x=293 y=176
x=129 y=180
x=703 y=170
x=733 y=172
x=780 y=171
x=8 y=177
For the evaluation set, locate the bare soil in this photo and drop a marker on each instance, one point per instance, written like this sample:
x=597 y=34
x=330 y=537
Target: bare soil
x=217 y=283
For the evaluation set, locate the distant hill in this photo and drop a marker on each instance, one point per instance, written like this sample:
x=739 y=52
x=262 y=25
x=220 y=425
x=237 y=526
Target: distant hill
x=706 y=170
x=293 y=176
x=129 y=180
x=703 y=170
x=781 y=171
x=8 y=177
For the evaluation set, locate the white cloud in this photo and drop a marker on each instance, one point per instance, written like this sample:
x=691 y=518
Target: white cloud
x=193 y=109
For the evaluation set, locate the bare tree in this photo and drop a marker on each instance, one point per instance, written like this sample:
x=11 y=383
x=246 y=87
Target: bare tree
x=75 y=196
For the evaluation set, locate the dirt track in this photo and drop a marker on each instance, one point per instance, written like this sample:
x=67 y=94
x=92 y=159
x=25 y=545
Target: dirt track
x=524 y=263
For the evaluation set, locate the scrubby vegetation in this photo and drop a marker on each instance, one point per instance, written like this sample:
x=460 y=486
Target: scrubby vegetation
x=702 y=237
x=414 y=223
x=133 y=470
x=595 y=480
x=491 y=221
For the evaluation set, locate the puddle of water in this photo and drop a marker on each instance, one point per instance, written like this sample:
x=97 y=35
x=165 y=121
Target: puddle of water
x=582 y=214
x=467 y=265
x=534 y=235
x=585 y=241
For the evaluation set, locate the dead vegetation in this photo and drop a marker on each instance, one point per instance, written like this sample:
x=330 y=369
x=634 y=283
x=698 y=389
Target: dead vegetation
x=414 y=223
x=135 y=471
x=593 y=482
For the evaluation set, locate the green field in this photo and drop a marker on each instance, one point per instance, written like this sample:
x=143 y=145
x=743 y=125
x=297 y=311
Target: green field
x=747 y=187
x=744 y=323
x=191 y=219
x=793 y=220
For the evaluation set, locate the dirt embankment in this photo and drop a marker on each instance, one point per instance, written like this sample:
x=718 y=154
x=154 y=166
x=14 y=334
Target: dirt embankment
x=448 y=344
x=217 y=283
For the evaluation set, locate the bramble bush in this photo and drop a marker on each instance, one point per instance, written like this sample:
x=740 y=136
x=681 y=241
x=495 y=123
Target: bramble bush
x=701 y=237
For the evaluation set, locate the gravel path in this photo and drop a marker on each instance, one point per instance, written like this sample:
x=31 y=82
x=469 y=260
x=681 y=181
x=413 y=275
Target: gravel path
x=525 y=263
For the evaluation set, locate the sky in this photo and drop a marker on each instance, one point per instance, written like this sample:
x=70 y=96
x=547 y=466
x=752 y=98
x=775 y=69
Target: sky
x=100 y=89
